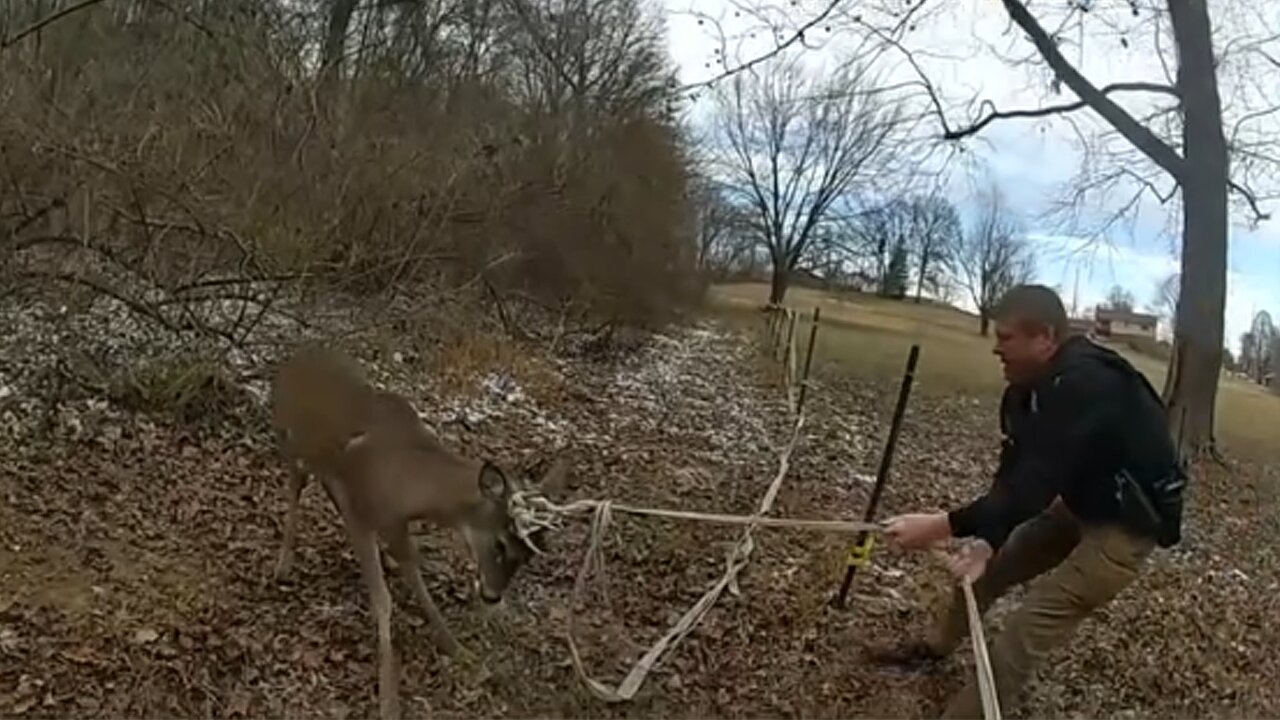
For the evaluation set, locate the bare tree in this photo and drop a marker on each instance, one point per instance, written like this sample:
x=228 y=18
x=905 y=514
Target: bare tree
x=1257 y=347
x=1168 y=139
x=725 y=237
x=935 y=237
x=992 y=258
x=607 y=55
x=1175 y=148
x=1165 y=300
x=925 y=227
x=335 y=38
x=792 y=145
x=873 y=235
x=1119 y=298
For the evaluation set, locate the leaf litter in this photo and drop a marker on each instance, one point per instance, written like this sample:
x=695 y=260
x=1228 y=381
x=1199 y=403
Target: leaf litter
x=135 y=553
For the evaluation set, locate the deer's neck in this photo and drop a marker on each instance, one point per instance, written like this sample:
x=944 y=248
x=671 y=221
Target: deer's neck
x=446 y=490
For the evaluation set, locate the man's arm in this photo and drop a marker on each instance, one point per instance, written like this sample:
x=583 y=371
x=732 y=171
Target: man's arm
x=1072 y=412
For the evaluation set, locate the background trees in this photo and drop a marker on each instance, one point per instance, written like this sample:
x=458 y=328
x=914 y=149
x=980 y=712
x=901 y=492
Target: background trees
x=993 y=257
x=789 y=145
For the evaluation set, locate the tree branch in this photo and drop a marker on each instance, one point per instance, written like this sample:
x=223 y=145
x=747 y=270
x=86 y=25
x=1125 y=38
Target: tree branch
x=1258 y=213
x=1141 y=137
x=778 y=49
x=1061 y=109
x=51 y=18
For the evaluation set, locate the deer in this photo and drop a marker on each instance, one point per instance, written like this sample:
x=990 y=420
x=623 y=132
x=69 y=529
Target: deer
x=382 y=468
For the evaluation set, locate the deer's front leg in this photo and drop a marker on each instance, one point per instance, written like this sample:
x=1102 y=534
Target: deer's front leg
x=284 y=561
x=406 y=554
x=365 y=544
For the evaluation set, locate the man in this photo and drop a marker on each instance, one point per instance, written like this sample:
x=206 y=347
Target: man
x=1088 y=483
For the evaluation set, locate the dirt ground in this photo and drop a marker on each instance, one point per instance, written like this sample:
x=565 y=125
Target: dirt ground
x=135 y=558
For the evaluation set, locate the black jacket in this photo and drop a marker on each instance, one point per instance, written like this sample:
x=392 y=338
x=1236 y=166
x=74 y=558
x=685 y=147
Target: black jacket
x=1086 y=426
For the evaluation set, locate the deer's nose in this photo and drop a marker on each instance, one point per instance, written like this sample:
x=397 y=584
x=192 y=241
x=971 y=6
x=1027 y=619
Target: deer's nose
x=485 y=595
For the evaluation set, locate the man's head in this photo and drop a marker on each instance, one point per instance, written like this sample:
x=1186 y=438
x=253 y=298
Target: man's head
x=1030 y=325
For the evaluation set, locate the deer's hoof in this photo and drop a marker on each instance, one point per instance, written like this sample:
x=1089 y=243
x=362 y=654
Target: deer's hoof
x=389 y=709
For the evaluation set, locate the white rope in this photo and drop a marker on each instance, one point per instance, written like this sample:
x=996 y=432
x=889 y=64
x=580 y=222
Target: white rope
x=982 y=661
x=736 y=561
x=539 y=512
x=581 y=507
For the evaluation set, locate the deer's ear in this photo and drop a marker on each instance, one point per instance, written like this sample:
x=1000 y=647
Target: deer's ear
x=493 y=484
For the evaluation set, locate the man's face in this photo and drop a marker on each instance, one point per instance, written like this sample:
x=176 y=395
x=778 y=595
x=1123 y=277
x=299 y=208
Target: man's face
x=1025 y=351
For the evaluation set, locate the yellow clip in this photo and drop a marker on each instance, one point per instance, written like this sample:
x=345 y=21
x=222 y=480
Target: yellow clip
x=860 y=554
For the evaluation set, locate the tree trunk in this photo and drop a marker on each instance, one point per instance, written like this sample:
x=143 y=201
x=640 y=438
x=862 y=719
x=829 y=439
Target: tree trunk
x=335 y=39
x=778 y=288
x=984 y=323
x=924 y=268
x=1192 y=383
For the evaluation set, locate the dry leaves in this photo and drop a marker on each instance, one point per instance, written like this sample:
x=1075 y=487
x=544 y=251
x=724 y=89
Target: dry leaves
x=135 y=558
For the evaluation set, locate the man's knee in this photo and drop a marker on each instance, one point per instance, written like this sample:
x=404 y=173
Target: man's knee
x=1106 y=561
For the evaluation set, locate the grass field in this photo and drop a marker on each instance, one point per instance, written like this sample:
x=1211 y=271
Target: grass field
x=870 y=336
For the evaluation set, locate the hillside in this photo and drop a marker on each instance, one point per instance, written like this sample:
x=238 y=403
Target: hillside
x=135 y=552
x=870 y=337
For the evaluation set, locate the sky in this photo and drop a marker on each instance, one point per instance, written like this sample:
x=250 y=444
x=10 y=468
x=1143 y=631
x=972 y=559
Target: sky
x=969 y=52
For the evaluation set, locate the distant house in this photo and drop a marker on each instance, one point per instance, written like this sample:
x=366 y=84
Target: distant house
x=1124 y=323
x=1082 y=326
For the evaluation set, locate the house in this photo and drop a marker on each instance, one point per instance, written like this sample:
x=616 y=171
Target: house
x=1082 y=326
x=1124 y=323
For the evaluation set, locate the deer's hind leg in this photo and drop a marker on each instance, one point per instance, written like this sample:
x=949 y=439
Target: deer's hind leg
x=406 y=554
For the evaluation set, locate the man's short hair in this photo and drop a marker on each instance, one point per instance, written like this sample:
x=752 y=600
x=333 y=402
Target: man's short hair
x=1036 y=307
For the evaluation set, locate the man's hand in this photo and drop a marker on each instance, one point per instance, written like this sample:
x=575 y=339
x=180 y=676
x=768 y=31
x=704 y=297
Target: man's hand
x=918 y=530
x=970 y=561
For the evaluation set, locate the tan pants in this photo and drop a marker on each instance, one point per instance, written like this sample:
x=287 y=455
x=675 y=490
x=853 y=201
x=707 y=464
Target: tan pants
x=1079 y=568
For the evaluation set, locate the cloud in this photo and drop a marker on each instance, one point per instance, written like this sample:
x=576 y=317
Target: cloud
x=970 y=53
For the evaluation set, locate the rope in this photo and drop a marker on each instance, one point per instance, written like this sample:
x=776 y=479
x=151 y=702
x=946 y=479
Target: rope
x=982 y=661
x=981 y=658
x=737 y=560
x=580 y=507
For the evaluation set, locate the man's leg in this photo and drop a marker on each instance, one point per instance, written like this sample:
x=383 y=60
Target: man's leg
x=1105 y=562
x=1033 y=548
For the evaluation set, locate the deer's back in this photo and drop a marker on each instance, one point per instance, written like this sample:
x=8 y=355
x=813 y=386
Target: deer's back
x=319 y=401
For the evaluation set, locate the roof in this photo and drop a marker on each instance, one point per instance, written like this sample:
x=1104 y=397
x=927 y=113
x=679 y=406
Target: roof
x=1124 y=316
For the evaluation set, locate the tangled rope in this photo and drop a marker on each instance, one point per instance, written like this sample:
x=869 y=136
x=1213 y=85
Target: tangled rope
x=532 y=511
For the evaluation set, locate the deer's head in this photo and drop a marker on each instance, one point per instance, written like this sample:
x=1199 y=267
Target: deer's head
x=501 y=542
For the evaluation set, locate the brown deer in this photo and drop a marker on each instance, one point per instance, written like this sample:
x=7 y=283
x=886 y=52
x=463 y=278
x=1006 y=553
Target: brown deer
x=383 y=468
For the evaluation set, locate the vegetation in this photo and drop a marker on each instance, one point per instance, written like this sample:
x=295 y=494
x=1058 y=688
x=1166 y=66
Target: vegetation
x=194 y=161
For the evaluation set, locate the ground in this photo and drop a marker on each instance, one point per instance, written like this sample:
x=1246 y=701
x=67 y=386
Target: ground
x=135 y=551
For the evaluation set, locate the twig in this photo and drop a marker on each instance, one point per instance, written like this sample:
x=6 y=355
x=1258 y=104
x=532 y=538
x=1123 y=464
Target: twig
x=40 y=24
x=1258 y=213
x=136 y=306
x=795 y=37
